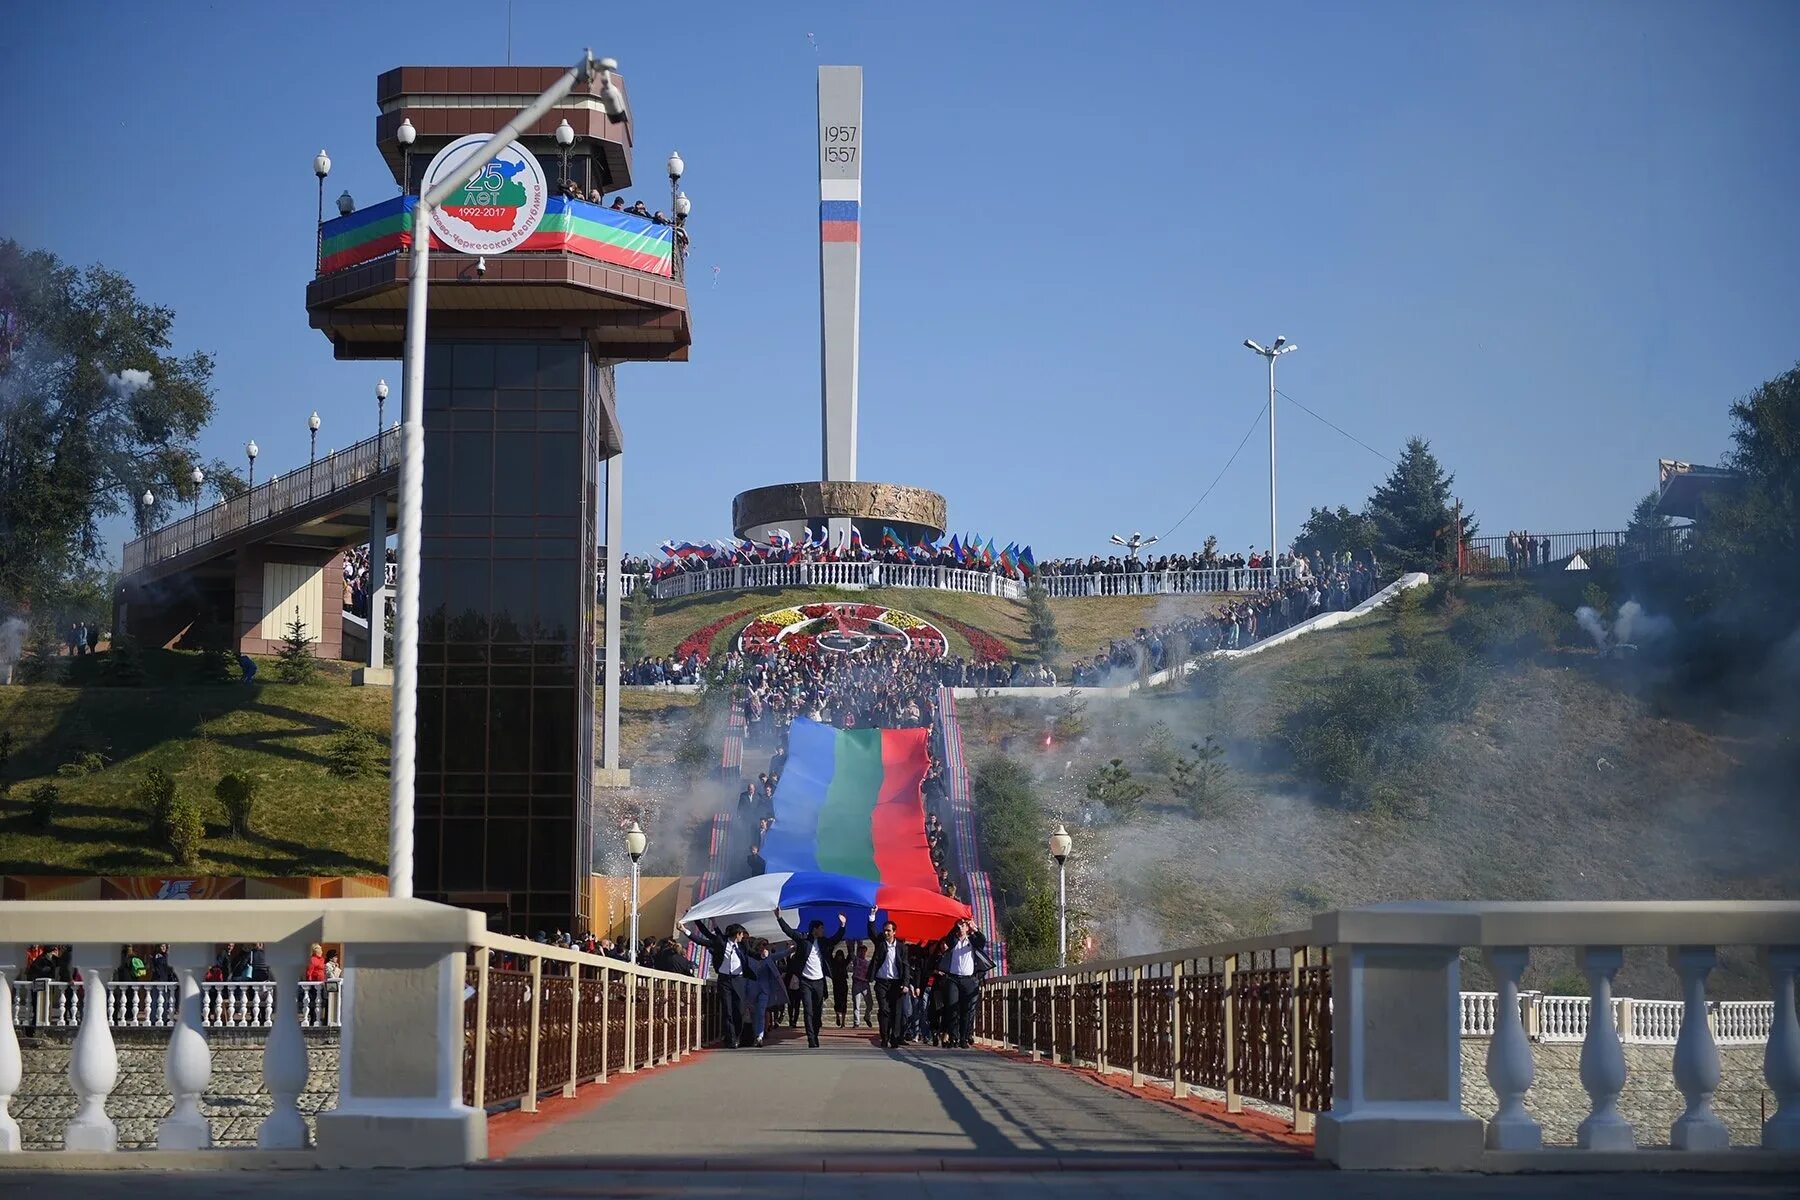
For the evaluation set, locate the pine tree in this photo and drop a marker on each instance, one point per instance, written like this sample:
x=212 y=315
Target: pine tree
x=1413 y=514
x=295 y=662
x=1041 y=622
x=634 y=634
x=1645 y=532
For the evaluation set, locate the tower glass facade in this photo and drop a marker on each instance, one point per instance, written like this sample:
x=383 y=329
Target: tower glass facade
x=506 y=641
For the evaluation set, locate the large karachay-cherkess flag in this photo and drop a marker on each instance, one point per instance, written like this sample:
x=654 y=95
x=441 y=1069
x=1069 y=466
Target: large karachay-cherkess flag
x=849 y=803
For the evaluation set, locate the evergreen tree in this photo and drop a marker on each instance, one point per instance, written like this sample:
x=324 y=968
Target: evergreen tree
x=634 y=634
x=295 y=662
x=1412 y=513
x=1644 y=531
x=1041 y=622
x=1329 y=533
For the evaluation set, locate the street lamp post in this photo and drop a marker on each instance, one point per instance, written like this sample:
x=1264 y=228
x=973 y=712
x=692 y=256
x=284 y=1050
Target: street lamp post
x=1060 y=845
x=198 y=477
x=148 y=500
x=676 y=167
x=321 y=168
x=405 y=135
x=312 y=452
x=381 y=395
x=1281 y=346
x=635 y=842
x=412 y=457
x=250 y=452
x=565 y=137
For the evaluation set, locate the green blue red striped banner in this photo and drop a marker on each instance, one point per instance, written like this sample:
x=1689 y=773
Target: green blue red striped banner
x=574 y=225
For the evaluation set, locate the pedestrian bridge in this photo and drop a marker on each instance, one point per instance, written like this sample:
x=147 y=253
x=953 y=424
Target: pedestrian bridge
x=1333 y=1046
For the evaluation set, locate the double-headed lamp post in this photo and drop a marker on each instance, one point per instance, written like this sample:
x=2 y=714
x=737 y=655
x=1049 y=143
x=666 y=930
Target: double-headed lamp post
x=1281 y=346
x=635 y=843
x=1060 y=845
x=676 y=202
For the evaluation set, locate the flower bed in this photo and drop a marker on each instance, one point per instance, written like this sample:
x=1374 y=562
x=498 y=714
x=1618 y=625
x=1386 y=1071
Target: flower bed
x=986 y=647
x=700 y=641
x=846 y=628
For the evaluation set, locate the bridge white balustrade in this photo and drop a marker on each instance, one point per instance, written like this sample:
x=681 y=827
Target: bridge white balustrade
x=1356 y=1025
x=432 y=1028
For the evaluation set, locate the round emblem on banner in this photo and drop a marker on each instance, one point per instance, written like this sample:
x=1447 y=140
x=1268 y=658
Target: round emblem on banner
x=497 y=207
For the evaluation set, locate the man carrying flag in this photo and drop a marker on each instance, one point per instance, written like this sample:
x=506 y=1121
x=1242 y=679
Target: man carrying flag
x=956 y=550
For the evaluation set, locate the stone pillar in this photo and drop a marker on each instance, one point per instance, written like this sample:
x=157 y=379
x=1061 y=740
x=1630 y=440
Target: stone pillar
x=1397 y=1062
x=610 y=773
x=400 y=1063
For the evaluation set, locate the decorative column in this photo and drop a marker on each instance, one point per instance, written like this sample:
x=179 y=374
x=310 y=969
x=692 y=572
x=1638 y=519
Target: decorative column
x=12 y=1070
x=1781 y=1057
x=93 y=1061
x=1697 y=1069
x=285 y=1069
x=1602 y=1057
x=187 y=1068
x=1509 y=1063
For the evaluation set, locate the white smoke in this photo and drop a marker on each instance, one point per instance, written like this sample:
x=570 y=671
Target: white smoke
x=1590 y=621
x=1637 y=626
x=12 y=645
x=128 y=382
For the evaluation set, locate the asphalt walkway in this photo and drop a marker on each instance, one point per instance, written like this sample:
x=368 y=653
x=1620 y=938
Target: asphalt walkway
x=852 y=1100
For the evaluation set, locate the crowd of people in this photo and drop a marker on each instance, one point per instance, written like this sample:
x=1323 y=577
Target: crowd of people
x=1524 y=550
x=82 y=637
x=1208 y=560
x=359 y=580
x=1012 y=562
x=907 y=993
x=1241 y=622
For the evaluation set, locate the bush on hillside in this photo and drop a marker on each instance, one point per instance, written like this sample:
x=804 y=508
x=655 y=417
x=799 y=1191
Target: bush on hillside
x=695 y=755
x=1113 y=786
x=41 y=802
x=1160 y=754
x=1070 y=721
x=1408 y=615
x=123 y=665
x=156 y=794
x=236 y=790
x=1516 y=627
x=85 y=762
x=1360 y=737
x=186 y=830
x=1202 y=781
x=347 y=755
x=294 y=660
x=1452 y=677
x=1031 y=927
x=1011 y=827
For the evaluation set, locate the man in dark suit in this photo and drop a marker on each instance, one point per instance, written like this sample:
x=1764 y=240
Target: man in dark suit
x=811 y=959
x=961 y=967
x=890 y=974
x=731 y=963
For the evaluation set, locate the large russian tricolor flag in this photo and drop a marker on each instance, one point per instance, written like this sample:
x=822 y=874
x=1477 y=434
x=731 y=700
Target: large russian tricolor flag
x=849 y=803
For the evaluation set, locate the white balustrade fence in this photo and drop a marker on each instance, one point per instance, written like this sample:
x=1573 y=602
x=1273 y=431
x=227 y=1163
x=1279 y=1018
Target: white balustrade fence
x=1645 y=1022
x=50 y=1004
x=836 y=574
x=1168 y=583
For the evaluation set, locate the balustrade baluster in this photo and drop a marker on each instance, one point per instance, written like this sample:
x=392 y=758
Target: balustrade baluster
x=188 y=1069
x=93 y=1060
x=1697 y=1070
x=12 y=1070
x=1602 y=1057
x=1781 y=1057
x=285 y=1069
x=1509 y=1062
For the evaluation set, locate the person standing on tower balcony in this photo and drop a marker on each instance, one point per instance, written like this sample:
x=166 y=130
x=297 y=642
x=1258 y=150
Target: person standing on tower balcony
x=811 y=953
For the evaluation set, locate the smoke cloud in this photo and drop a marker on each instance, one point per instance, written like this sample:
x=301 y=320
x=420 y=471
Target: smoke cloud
x=128 y=382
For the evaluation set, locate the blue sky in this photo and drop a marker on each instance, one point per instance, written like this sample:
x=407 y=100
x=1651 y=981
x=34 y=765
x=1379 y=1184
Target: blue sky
x=1555 y=239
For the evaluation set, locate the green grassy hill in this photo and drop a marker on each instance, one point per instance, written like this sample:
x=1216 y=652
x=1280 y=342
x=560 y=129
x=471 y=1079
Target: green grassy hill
x=1477 y=747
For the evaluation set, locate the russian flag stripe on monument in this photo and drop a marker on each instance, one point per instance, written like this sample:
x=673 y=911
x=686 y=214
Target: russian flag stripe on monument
x=840 y=220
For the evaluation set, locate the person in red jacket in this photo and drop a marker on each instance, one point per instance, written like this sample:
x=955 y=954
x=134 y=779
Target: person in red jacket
x=315 y=965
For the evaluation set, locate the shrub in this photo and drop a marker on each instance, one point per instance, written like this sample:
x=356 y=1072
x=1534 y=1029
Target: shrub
x=1159 y=749
x=7 y=741
x=1519 y=627
x=1407 y=608
x=85 y=762
x=218 y=659
x=236 y=790
x=42 y=802
x=1012 y=828
x=347 y=756
x=1203 y=781
x=1030 y=928
x=1113 y=786
x=695 y=754
x=294 y=661
x=1451 y=677
x=1070 y=721
x=186 y=830
x=1360 y=736
x=157 y=794
x=124 y=664
x=1046 y=642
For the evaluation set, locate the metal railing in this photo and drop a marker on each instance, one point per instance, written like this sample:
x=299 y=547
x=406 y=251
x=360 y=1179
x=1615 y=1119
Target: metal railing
x=1168 y=583
x=835 y=574
x=1247 y=1020
x=51 y=1004
x=540 y=1019
x=1498 y=555
x=267 y=500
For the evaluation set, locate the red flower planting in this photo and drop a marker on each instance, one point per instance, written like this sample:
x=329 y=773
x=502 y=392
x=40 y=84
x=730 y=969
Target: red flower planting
x=700 y=641
x=986 y=646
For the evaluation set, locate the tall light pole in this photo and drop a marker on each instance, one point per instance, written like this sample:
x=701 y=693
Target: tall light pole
x=1281 y=346
x=199 y=477
x=381 y=395
x=1060 y=845
x=148 y=500
x=412 y=458
x=635 y=842
x=312 y=452
x=321 y=168
x=250 y=491
x=676 y=167
x=405 y=136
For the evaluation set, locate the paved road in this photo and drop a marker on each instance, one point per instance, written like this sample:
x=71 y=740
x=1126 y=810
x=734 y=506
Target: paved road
x=850 y=1098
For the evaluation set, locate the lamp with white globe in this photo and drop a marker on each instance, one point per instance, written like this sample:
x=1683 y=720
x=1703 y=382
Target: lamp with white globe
x=635 y=845
x=1060 y=845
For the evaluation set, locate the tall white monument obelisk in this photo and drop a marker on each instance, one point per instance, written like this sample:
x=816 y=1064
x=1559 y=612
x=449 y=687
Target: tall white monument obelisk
x=840 y=271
